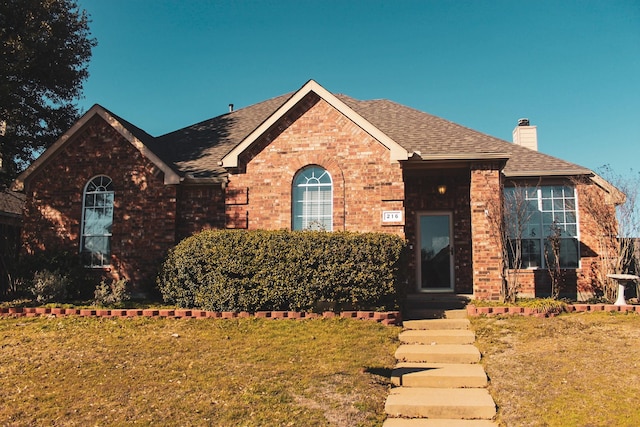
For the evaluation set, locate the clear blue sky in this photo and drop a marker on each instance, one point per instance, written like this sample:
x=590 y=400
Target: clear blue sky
x=571 y=67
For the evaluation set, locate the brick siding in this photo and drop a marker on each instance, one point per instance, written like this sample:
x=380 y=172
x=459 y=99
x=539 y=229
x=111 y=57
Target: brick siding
x=365 y=182
x=144 y=223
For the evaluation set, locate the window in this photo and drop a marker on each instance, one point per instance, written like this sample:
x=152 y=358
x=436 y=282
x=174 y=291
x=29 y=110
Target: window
x=97 y=219
x=532 y=215
x=313 y=199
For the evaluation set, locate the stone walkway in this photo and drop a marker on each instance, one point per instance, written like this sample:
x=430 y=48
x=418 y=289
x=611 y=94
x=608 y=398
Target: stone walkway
x=438 y=379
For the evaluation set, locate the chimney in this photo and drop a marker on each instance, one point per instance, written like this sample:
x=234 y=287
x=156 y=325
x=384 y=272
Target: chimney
x=526 y=135
x=231 y=108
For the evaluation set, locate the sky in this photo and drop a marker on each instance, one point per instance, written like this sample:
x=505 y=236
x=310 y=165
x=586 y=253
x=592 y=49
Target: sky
x=571 y=67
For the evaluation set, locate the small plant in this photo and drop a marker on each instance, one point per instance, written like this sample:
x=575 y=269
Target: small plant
x=111 y=293
x=49 y=286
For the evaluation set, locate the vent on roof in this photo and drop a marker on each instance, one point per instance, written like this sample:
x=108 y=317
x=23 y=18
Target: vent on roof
x=231 y=108
x=526 y=135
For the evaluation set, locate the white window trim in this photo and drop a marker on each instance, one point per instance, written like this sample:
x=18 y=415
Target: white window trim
x=304 y=217
x=542 y=238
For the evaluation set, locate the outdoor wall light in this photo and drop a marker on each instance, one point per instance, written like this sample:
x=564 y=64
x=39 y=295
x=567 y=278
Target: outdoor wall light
x=442 y=189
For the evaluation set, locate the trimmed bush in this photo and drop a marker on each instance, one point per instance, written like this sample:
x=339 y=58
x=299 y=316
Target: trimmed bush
x=237 y=270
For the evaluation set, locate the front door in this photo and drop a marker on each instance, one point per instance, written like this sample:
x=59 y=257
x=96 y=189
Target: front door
x=435 y=255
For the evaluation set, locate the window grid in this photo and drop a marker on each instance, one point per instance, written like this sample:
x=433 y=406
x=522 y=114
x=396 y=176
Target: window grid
x=313 y=200
x=97 y=220
x=549 y=206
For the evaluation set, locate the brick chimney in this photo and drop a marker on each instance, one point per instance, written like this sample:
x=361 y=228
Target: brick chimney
x=526 y=135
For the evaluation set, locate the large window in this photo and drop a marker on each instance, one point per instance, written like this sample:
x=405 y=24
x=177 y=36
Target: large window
x=97 y=219
x=313 y=199
x=534 y=216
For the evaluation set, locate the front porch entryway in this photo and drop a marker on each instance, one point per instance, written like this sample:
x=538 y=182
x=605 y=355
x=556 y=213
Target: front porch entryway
x=435 y=252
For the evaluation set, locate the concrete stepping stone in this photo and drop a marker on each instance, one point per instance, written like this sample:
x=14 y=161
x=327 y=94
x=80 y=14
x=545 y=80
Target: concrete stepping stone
x=439 y=375
x=437 y=336
x=427 y=324
x=440 y=353
x=431 y=422
x=453 y=403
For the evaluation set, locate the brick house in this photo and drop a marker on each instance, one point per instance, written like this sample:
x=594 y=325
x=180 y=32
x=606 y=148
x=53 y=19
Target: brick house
x=311 y=159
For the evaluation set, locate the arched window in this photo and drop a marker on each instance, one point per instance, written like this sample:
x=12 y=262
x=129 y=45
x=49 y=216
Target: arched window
x=313 y=199
x=97 y=219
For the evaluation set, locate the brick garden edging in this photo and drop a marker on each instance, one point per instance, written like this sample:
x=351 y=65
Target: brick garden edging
x=392 y=318
x=472 y=310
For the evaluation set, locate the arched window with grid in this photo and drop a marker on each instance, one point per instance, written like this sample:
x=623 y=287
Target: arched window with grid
x=97 y=220
x=313 y=199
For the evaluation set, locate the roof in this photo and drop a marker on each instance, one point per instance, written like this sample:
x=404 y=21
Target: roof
x=11 y=203
x=202 y=149
x=207 y=149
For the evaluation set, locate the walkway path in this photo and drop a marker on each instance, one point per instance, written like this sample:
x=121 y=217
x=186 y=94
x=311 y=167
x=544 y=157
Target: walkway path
x=438 y=379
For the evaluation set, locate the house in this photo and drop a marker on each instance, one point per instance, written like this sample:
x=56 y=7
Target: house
x=312 y=159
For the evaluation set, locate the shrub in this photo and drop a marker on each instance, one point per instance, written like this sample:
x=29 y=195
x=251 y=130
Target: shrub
x=113 y=293
x=68 y=263
x=234 y=270
x=48 y=286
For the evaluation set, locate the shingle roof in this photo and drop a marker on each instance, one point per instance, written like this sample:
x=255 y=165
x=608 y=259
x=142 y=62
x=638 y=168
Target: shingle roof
x=11 y=203
x=197 y=149
x=430 y=135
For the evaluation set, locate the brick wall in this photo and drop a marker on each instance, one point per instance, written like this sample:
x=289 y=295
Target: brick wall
x=486 y=247
x=421 y=197
x=199 y=207
x=365 y=182
x=144 y=223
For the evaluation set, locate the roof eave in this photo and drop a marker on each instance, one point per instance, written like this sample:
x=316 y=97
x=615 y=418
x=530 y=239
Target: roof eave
x=546 y=173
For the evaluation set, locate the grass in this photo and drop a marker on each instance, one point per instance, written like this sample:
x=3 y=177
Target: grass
x=244 y=372
x=580 y=369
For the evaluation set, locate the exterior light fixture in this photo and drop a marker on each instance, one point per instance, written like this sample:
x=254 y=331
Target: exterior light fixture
x=442 y=189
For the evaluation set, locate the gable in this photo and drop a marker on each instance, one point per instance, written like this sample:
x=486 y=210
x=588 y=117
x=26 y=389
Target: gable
x=311 y=88
x=130 y=133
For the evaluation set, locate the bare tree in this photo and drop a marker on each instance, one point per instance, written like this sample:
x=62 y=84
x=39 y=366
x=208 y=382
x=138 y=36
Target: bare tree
x=508 y=217
x=617 y=219
x=552 y=258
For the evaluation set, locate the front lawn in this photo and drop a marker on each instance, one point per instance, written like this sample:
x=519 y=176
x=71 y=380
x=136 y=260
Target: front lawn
x=240 y=372
x=580 y=369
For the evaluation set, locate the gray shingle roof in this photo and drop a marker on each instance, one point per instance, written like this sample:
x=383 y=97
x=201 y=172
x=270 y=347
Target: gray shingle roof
x=11 y=203
x=197 y=149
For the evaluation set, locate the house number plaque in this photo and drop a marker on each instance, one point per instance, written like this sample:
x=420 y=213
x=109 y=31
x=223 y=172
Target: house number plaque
x=391 y=216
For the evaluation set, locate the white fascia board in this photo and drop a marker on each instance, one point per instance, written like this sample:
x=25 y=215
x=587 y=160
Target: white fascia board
x=397 y=152
x=170 y=177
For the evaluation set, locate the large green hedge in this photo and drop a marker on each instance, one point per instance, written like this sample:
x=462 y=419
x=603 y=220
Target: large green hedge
x=236 y=270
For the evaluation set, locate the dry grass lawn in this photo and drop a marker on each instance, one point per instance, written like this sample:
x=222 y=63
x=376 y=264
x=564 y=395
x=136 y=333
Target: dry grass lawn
x=580 y=369
x=242 y=372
